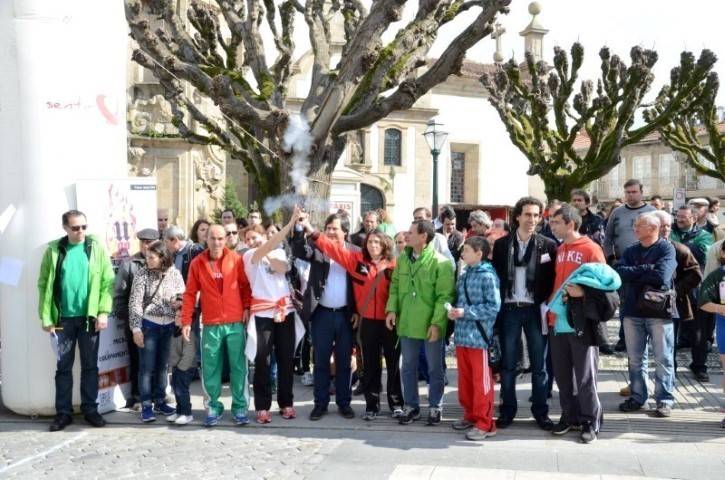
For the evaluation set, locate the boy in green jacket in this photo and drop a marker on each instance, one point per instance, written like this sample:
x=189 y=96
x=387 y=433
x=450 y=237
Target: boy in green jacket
x=421 y=285
x=75 y=289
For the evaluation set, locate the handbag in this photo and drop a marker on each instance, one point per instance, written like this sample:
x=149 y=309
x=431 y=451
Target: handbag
x=494 y=346
x=655 y=303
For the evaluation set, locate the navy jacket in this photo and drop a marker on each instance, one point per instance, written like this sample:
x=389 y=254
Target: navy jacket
x=641 y=266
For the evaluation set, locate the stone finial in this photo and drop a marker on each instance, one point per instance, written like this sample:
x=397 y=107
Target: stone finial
x=497 y=34
x=534 y=33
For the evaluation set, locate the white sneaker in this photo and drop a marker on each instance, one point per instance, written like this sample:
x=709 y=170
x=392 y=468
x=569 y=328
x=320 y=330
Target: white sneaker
x=172 y=418
x=307 y=379
x=184 y=419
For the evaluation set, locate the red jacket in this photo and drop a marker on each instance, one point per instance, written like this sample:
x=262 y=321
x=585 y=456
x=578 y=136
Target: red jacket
x=363 y=273
x=217 y=307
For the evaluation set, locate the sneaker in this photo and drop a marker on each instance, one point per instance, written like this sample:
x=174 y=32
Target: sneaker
x=172 y=418
x=625 y=391
x=562 y=427
x=60 y=422
x=588 y=435
x=620 y=346
x=476 y=434
x=318 y=412
x=288 y=413
x=629 y=405
x=164 y=409
x=212 y=420
x=358 y=390
x=307 y=379
x=147 y=414
x=410 y=415
x=434 y=416
x=241 y=418
x=462 y=424
x=183 y=420
x=370 y=415
x=263 y=417
x=131 y=403
x=663 y=410
x=397 y=412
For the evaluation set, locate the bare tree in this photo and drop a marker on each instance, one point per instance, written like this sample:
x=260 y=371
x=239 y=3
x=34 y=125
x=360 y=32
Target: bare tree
x=695 y=130
x=371 y=80
x=529 y=101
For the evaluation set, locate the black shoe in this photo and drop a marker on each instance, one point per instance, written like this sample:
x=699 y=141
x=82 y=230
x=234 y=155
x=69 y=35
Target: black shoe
x=701 y=375
x=346 y=411
x=410 y=416
x=620 y=346
x=60 y=422
x=95 y=419
x=588 y=435
x=317 y=412
x=562 y=427
x=545 y=423
x=358 y=390
x=504 y=422
x=663 y=410
x=434 y=416
x=629 y=405
x=606 y=349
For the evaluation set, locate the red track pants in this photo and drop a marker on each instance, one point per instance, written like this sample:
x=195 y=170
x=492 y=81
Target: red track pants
x=475 y=387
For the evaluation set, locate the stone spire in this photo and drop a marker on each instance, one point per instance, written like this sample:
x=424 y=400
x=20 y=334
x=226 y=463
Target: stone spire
x=534 y=33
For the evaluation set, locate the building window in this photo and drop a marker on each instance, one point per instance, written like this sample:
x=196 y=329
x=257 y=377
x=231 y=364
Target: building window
x=392 y=151
x=458 y=168
x=641 y=170
x=370 y=198
x=615 y=182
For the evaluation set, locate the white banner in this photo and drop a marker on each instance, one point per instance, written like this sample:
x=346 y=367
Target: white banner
x=115 y=211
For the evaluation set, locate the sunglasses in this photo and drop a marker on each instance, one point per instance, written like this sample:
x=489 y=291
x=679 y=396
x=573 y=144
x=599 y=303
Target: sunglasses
x=78 y=228
x=230 y=233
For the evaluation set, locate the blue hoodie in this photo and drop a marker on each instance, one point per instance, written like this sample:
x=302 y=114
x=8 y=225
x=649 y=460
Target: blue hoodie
x=595 y=275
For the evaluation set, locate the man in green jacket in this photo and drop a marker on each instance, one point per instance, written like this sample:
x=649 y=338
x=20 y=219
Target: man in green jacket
x=421 y=285
x=75 y=288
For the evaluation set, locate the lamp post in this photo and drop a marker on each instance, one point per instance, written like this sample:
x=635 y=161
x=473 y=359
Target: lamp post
x=436 y=138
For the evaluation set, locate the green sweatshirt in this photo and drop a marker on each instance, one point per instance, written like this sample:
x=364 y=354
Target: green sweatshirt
x=419 y=290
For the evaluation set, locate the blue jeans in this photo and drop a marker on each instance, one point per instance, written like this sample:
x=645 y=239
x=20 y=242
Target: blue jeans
x=83 y=332
x=154 y=362
x=410 y=348
x=180 y=381
x=513 y=320
x=636 y=333
x=332 y=330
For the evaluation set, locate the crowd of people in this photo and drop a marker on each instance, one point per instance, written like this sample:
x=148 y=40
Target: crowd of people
x=340 y=307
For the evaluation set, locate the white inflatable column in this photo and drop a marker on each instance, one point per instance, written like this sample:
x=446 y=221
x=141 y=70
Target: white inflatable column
x=62 y=119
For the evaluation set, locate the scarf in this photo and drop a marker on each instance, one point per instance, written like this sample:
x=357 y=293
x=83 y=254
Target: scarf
x=528 y=261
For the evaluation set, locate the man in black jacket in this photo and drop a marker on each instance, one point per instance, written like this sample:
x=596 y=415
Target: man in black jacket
x=122 y=293
x=524 y=262
x=454 y=237
x=592 y=224
x=327 y=307
x=370 y=223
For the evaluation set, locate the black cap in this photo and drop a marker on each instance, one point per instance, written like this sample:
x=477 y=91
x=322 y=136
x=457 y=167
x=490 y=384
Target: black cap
x=148 y=234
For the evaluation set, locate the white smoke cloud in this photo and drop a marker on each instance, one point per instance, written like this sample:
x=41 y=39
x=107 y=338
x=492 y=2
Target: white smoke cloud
x=297 y=140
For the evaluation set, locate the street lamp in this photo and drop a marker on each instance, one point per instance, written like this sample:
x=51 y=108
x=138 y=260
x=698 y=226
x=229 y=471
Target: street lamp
x=436 y=138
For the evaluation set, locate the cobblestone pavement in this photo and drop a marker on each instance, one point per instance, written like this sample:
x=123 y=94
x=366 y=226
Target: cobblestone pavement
x=83 y=453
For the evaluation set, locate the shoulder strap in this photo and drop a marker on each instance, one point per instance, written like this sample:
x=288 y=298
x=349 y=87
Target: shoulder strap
x=468 y=300
x=151 y=298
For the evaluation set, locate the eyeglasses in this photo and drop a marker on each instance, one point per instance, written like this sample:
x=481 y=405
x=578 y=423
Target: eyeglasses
x=78 y=228
x=231 y=232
